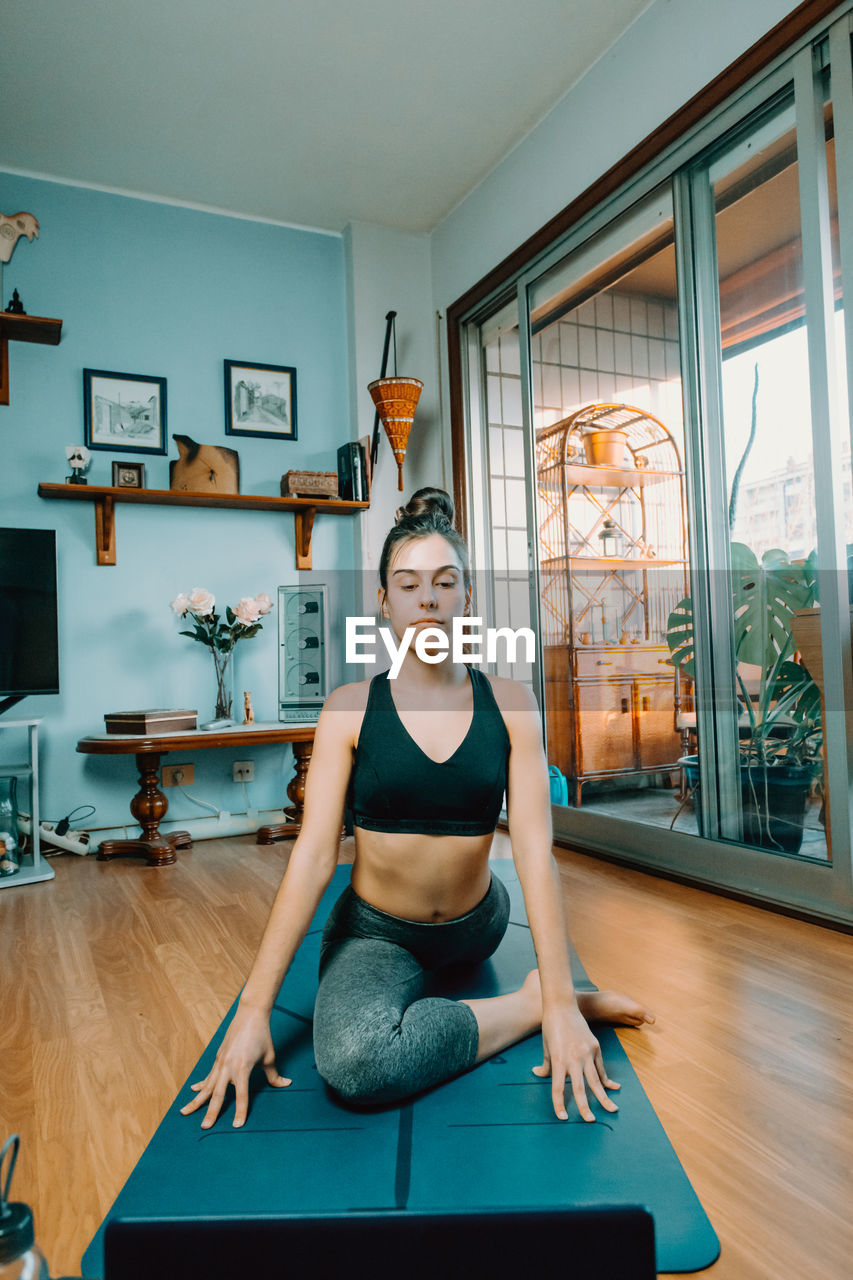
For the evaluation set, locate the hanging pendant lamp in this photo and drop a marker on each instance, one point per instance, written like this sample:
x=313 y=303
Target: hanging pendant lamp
x=396 y=400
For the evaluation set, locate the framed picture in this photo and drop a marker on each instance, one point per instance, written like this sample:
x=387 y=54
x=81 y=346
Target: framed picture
x=128 y=475
x=260 y=400
x=124 y=411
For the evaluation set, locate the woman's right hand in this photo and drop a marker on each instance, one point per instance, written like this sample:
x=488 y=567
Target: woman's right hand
x=247 y=1041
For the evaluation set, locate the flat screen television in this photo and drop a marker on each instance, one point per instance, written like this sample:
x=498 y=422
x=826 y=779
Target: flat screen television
x=29 y=643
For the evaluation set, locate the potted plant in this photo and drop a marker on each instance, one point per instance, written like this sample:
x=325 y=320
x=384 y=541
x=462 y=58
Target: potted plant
x=780 y=715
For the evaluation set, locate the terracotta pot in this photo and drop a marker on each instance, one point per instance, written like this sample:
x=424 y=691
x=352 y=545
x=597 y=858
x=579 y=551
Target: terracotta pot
x=605 y=448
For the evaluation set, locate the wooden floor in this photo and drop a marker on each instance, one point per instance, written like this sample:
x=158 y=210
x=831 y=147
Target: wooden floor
x=114 y=976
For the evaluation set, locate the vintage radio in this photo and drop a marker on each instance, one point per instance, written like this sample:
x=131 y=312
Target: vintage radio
x=303 y=644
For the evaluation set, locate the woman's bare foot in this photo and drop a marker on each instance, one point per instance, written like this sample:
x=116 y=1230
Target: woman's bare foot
x=611 y=1006
x=596 y=1006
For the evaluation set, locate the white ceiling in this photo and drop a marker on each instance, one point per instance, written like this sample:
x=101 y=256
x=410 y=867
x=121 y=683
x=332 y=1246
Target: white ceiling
x=314 y=114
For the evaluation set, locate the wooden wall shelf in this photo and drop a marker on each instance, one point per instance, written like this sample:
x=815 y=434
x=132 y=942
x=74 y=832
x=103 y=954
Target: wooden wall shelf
x=105 y=497
x=17 y=328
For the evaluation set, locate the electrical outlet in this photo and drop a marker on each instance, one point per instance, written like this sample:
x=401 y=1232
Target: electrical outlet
x=244 y=771
x=177 y=775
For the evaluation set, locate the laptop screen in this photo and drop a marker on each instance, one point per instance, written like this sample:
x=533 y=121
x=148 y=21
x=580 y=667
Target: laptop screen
x=607 y=1243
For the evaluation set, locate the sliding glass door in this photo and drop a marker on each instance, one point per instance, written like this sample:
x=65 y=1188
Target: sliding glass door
x=772 y=472
x=612 y=520
x=659 y=444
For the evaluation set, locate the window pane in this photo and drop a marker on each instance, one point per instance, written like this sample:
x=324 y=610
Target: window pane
x=612 y=523
x=771 y=486
x=508 y=580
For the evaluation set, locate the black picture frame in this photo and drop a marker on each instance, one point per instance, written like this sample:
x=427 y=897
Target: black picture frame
x=124 y=412
x=260 y=400
x=128 y=475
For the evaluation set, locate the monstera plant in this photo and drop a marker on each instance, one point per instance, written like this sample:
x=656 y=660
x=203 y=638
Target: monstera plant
x=781 y=719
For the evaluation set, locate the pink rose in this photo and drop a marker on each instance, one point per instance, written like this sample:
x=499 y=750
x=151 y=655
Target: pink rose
x=201 y=601
x=263 y=602
x=247 y=611
x=180 y=604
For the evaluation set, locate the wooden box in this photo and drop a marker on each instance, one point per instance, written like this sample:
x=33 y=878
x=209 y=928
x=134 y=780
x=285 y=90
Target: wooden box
x=309 y=484
x=157 y=721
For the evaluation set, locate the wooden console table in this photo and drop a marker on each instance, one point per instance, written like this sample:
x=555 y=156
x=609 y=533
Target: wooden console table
x=149 y=806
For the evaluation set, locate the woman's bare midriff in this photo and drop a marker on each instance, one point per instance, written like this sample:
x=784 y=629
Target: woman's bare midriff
x=429 y=879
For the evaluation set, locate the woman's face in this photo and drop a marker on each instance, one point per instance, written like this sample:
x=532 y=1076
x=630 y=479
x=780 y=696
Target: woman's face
x=426 y=585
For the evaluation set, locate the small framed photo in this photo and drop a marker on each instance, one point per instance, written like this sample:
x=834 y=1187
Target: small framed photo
x=124 y=411
x=260 y=400
x=128 y=475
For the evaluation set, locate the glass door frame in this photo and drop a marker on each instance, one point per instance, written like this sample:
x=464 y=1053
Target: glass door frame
x=824 y=890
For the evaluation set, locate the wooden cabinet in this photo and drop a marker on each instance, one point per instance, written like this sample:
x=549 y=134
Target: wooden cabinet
x=611 y=713
x=612 y=541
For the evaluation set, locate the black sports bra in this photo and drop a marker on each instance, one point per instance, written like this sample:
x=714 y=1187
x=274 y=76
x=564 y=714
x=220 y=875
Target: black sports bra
x=395 y=786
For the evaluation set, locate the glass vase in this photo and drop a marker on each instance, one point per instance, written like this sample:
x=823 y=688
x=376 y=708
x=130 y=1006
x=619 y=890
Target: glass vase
x=10 y=860
x=224 y=699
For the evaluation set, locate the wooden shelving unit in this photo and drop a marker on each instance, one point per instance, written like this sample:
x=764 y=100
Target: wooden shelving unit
x=608 y=671
x=105 y=497
x=17 y=328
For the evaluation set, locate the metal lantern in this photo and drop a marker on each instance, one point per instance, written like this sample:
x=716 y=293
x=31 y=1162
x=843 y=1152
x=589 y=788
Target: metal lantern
x=610 y=539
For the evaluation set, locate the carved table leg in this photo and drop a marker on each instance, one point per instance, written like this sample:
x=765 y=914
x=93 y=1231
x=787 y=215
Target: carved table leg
x=296 y=791
x=149 y=807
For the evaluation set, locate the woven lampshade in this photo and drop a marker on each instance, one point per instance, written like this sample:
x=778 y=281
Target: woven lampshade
x=396 y=400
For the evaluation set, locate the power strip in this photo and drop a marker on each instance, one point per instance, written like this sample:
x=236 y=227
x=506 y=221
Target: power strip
x=71 y=842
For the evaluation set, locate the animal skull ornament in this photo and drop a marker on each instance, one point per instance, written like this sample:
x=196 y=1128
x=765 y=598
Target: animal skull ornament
x=12 y=227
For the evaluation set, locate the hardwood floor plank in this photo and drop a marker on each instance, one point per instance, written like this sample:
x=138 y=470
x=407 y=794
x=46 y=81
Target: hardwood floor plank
x=116 y=975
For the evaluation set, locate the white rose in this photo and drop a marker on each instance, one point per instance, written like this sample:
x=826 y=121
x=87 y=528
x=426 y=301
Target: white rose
x=263 y=602
x=201 y=601
x=180 y=604
x=247 y=611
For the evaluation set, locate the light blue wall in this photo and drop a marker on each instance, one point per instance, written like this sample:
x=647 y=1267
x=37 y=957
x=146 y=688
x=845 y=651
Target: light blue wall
x=149 y=288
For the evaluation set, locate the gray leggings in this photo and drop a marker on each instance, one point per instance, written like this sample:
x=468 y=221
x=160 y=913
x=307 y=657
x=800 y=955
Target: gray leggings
x=377 y=1038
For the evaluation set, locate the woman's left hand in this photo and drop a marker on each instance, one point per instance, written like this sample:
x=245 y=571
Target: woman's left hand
x=572 y=1052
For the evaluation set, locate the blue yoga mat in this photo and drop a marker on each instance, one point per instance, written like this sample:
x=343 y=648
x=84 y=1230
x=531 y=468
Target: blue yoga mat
x=487 y=1138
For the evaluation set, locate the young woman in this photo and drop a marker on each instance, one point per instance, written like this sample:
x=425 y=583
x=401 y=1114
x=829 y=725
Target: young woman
x=425 y=760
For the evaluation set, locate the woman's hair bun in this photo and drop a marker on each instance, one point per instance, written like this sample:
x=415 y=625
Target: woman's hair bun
x=427 y=502
x=428 y=511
